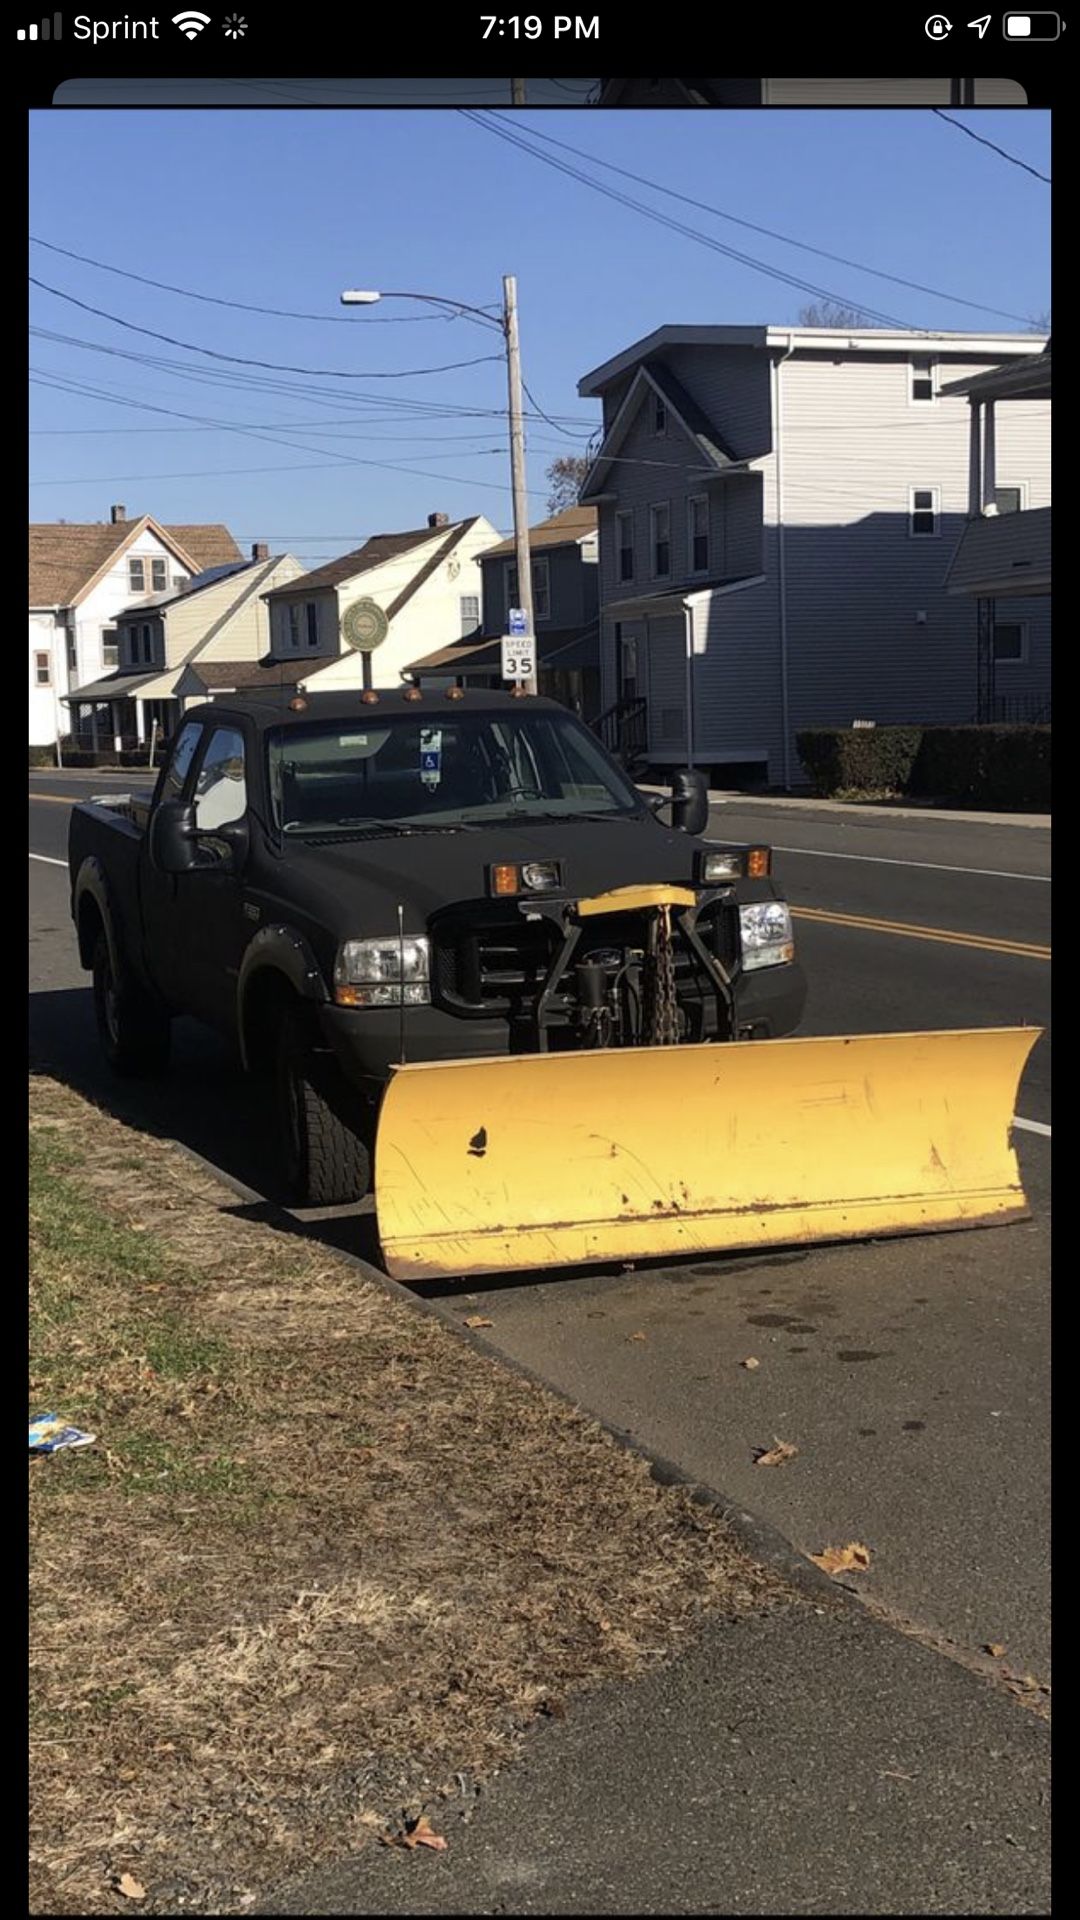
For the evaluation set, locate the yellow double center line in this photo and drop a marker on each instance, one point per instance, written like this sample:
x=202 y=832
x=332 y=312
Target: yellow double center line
x=985 y=943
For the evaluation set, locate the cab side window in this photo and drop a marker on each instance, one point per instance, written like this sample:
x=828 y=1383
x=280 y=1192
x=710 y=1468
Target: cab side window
x=221 y=786
x=180 y=759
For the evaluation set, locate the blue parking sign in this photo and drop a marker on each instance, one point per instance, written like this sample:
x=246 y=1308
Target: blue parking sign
x=517 y=622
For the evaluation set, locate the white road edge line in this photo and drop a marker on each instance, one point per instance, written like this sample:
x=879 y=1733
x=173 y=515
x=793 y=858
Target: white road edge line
x=1032 y=1126
x=48 y=859
x=925 y=866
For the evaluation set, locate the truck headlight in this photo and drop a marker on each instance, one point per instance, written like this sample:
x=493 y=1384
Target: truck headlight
x=767 y=938
x=383 y=973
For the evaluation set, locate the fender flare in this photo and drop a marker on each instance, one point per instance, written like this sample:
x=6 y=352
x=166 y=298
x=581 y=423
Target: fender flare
x=92 y=882
x=280 y=949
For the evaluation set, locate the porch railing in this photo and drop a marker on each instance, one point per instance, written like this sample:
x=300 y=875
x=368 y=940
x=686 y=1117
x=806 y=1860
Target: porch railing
x=623 y=729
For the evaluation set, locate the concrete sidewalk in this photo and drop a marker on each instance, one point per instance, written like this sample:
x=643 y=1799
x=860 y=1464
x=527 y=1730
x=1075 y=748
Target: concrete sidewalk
x=805 y=1761
x=845 y=812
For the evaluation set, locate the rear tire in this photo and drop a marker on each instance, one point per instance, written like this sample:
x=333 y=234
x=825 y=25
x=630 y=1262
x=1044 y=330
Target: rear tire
x=326 y=1162
x=135 y=1035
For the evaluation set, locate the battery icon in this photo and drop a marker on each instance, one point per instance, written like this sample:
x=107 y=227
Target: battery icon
x=1032 y=26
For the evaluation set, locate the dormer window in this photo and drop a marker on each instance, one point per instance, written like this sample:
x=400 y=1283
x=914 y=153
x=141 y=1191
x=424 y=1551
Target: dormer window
x=137 y=573
x=159 y=575
x=659 y=414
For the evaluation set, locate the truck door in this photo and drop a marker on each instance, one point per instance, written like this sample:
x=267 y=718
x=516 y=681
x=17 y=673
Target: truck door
x=215 y=930
x=160 y=894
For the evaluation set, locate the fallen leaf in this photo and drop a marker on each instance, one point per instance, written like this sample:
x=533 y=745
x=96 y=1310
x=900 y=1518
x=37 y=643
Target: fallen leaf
x=419 y=1833
x=605 y=1626
x=854 y=1558
x=636 y=1336
x=776 y=1455
x=478 y=1320
x=131 y=1888
x=751 y=1363
x=995 y=1649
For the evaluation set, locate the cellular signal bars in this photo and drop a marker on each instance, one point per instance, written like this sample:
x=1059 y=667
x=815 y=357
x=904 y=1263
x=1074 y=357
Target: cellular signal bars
x=48 y=30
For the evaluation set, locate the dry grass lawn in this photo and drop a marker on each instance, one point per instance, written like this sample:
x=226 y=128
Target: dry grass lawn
x=325 y=1563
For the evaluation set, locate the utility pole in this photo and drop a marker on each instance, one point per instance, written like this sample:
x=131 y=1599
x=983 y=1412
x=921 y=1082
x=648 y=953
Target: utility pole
x=517 y=464
x=517 y=93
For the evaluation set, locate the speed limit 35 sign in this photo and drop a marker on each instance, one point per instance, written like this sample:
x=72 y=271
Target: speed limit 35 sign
x=518 y=657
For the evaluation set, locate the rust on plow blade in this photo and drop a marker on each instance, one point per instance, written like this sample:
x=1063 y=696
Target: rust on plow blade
x=543 y=1160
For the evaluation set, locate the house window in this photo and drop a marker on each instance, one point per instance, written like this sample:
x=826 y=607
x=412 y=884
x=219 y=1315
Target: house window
x=147 y=645
x=1008 y=499
x=110 y=651
x=470 y=613
x=923 y=513
x=697 y=526
x=42 y=670
x=159 y=575
x=293 y=633
x=1010 y=643
x=660 y=541
x=541 y=579
x=137 y=574
x=659 y=414
x=624 y=532
x=311 y=613
x=72 y=656
x=923 y=384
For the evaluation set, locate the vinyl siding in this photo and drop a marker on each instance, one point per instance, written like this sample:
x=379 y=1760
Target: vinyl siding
x=573 y=589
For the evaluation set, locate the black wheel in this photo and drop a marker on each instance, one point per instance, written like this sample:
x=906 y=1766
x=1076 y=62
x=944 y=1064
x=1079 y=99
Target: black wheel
x=326 y=1161
x=135 y=1034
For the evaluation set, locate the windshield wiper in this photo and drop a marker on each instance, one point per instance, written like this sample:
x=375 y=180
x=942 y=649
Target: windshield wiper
x=524 y=815
x=333 y=826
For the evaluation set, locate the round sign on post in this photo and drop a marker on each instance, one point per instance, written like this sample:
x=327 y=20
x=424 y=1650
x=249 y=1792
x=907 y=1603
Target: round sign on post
x=364 y=626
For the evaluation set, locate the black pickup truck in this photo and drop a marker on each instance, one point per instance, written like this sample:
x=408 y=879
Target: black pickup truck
x=341 y=882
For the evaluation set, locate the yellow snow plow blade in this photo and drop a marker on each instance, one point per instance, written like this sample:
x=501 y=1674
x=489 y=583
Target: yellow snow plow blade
x=546 y=1160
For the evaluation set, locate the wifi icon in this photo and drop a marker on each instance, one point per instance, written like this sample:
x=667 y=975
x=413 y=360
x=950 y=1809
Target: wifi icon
x=191 y=24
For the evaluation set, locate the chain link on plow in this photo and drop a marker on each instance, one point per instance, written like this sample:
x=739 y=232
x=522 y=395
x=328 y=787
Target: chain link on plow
x=661 y=1009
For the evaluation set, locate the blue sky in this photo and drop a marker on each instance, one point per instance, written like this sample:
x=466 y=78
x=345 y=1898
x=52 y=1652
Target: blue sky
x=284 y=209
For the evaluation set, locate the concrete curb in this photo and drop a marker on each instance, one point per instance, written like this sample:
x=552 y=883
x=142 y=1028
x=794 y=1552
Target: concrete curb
x=795 y=803
x=761 y=1540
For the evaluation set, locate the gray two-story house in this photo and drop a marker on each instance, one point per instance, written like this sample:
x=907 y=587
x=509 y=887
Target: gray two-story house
x=777 y=510
x=565 y=579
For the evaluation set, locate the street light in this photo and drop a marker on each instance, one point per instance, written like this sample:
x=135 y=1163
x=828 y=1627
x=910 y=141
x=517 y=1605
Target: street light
x=507 y=325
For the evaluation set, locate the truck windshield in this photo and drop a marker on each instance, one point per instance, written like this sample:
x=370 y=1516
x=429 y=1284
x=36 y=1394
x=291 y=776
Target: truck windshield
x=441 y=770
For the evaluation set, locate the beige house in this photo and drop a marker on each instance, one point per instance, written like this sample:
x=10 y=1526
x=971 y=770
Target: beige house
x=426 y=583
x=81 y=576
x=175 y=649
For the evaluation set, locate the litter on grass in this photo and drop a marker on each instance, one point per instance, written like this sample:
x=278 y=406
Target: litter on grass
x=49 y=1433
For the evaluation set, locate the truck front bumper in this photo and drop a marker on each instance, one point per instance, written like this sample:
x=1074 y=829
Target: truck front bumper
x=370 y=1041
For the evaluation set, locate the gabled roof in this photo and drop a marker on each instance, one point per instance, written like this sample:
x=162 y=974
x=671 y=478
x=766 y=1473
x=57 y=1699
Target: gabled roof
x=656 y=378
x=566 y=529
x=571 y=646
x=236 y=675
x=1017 y=380
x=199 y=582
x=67 y=558
x=375 y=553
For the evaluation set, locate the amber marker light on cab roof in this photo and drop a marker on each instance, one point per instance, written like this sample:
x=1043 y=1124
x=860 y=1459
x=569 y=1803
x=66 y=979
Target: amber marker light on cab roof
x=370 y=698
x=454 y=693
x=759 y=862
x=412 y=693
x=298 y=706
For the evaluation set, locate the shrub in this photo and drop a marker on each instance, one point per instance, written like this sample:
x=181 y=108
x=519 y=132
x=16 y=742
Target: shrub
x=985 y=766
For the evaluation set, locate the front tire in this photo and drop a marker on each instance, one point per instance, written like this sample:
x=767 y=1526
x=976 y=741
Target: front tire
x=325 y=1160
x=135 y=1035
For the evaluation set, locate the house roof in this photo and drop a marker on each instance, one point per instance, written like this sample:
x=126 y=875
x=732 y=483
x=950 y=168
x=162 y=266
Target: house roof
x=1023 y=380
x=565 y=529
x=854 y=340
x=67 y=558
x=250 y=675
x=375 y=553
x=715 y=454
x=559 y=646
x=199 y=582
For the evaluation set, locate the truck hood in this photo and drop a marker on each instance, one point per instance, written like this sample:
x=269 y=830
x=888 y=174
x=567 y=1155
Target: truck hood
x=431 y=871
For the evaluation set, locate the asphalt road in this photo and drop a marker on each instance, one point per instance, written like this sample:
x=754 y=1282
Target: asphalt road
x=912 y=1375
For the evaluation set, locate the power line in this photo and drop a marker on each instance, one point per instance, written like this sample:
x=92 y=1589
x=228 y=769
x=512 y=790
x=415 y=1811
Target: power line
x=244 y=306
x=752 y=226
x=679 y=226
x=982 y=142
x=243 y=360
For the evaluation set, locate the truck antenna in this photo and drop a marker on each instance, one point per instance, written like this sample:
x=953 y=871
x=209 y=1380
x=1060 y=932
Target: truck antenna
x=401 y=974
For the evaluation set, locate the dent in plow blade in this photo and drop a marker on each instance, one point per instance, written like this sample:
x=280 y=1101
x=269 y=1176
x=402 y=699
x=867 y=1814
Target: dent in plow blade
x=646 y=1152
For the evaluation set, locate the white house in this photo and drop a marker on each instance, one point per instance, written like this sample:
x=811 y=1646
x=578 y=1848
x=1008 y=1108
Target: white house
x=426 y=583
x=777 y=509
x=81 y=576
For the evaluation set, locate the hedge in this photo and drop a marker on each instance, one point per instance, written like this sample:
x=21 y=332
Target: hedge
x=987 y=766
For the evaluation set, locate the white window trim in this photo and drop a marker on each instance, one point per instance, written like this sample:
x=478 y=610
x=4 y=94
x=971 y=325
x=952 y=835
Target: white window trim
x=159 y=560
x=1022 y=659
x=624 y=514
x=693 y=500
x=137 y=560
x=659 y=506
x=1022 y=487
x=934 y=508
x=912 y=375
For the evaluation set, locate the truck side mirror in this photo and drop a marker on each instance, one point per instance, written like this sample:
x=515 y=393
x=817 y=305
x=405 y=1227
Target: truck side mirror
x=172 y=841
x=689 y=800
